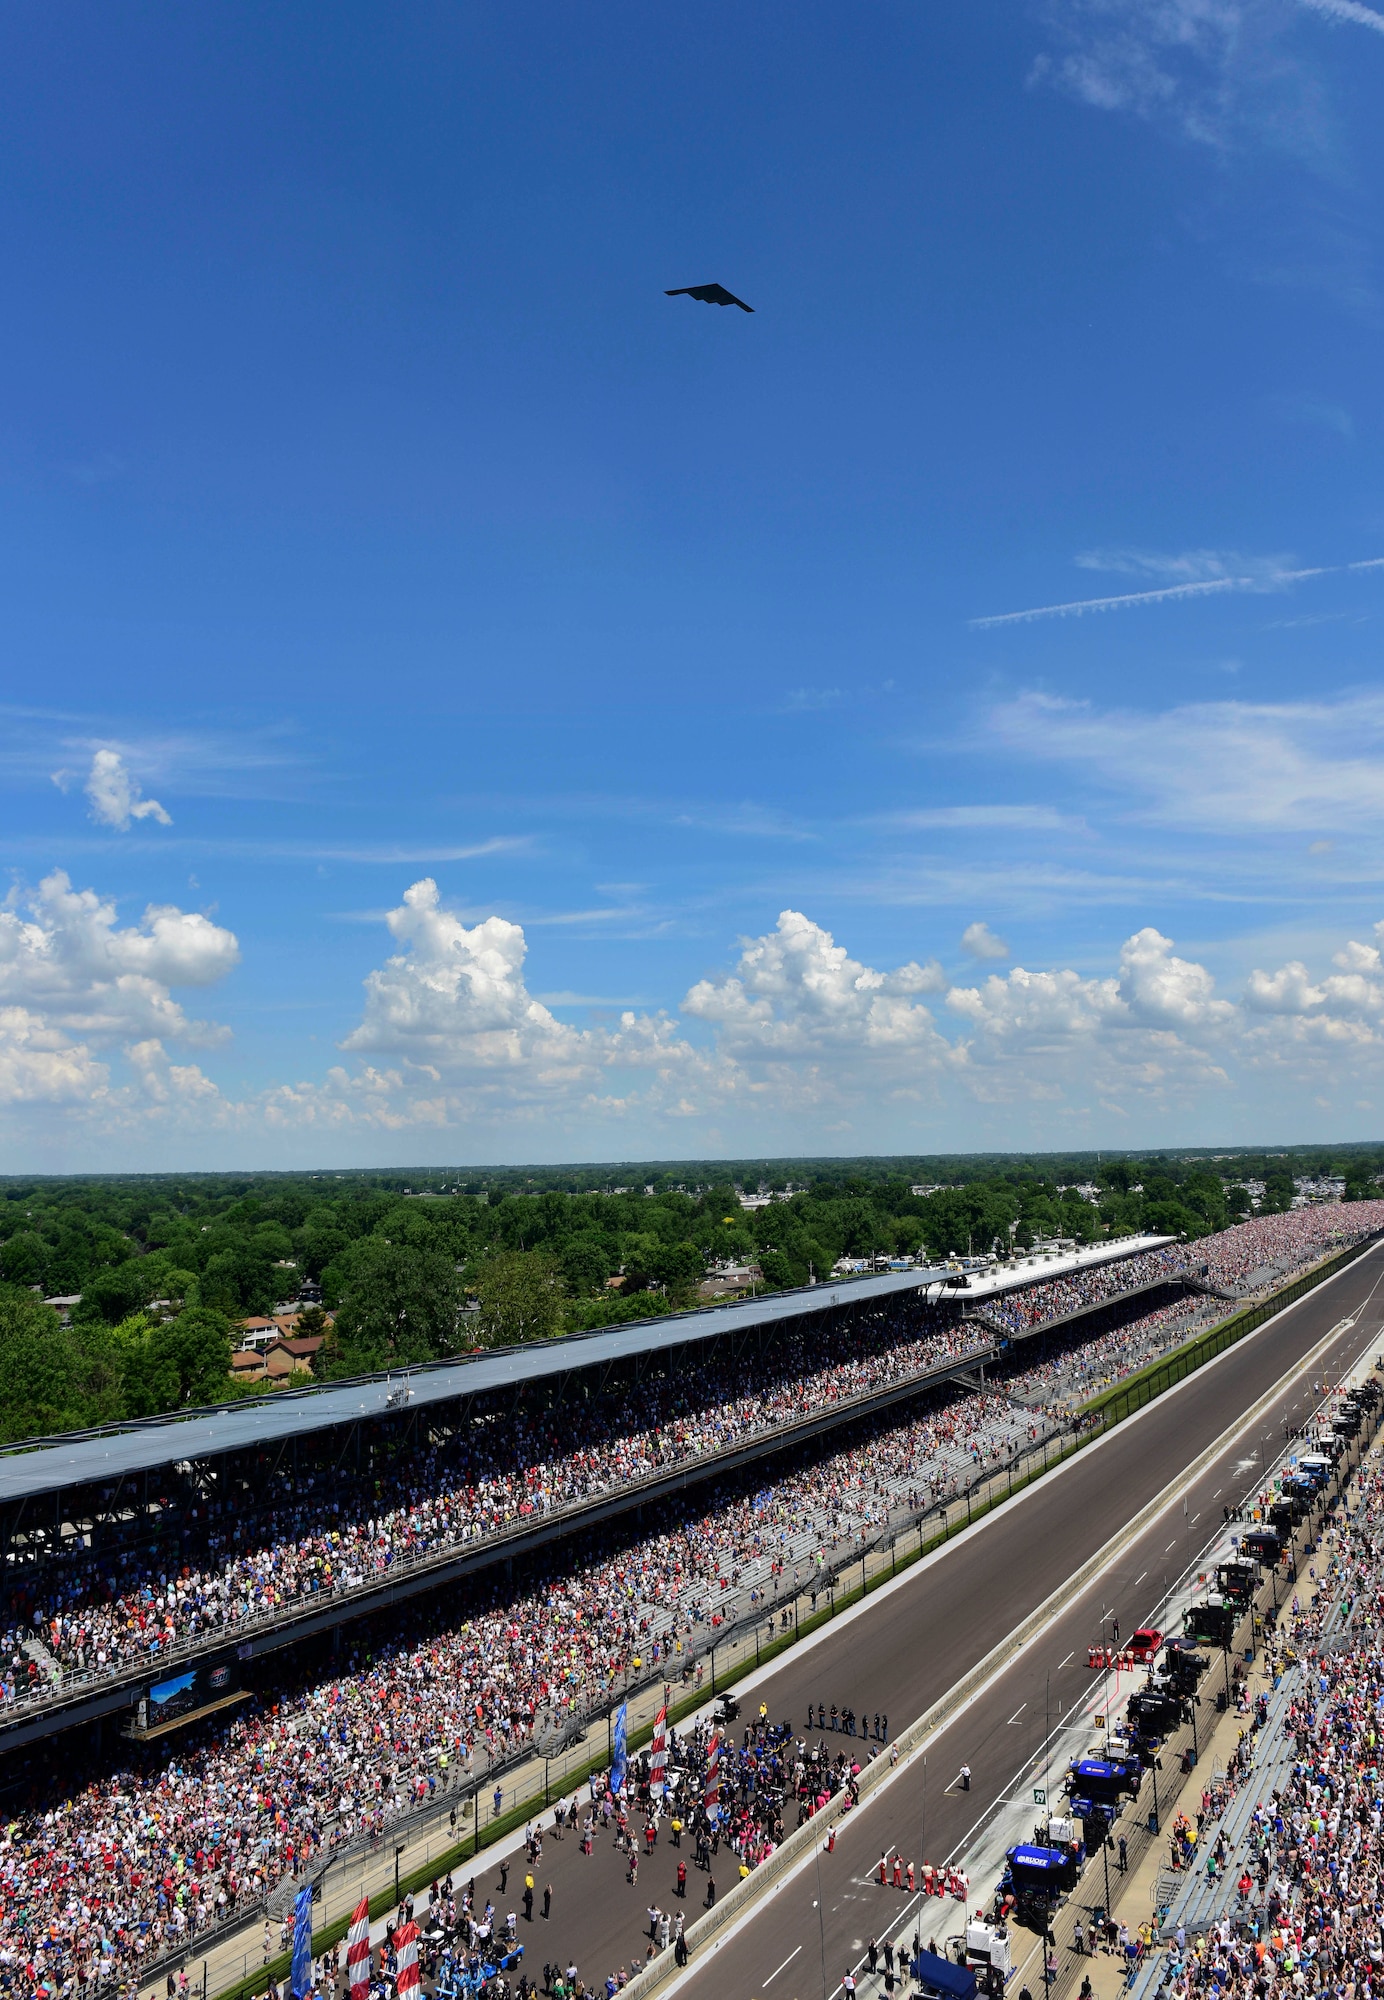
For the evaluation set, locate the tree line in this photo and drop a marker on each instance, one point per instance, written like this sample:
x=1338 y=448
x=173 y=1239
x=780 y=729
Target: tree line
x=418 y=1266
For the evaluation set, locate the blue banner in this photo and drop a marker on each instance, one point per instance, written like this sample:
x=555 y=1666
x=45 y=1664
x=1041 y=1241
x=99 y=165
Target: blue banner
x=617 y=1769
x=302 y=1944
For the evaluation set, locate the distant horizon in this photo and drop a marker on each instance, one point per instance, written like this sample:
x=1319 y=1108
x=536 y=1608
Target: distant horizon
x=738 y=1163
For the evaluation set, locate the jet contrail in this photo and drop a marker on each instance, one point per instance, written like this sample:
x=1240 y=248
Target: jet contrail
x=1085 y=604
x=1265 y=580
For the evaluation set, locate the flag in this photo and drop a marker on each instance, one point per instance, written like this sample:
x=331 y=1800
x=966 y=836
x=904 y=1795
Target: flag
x=712 y=1790
x=358 y=1950
x=406 y=1962
x=301 y=1974
x=658 y=1762
x=617 y=1769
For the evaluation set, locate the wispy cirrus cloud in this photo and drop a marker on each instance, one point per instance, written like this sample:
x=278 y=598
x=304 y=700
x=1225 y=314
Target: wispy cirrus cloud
x=1254 y=576
x=1183 y=566
x=1348 y=13
x=1317 y=411
x=980 y=819
x=1220 y=73
x=1228 y=766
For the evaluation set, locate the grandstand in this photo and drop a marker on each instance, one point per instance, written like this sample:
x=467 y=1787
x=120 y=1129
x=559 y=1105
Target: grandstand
x=123 y=1855
x=89 y=1519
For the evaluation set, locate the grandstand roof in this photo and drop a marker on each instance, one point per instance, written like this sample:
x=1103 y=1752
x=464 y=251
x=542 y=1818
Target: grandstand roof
x=95 y=1457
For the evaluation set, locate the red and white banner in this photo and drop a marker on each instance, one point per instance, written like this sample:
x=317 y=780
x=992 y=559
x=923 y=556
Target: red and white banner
x=712 y=1791
x=358 y=1950
x=406 y=1961
x=658 y=1762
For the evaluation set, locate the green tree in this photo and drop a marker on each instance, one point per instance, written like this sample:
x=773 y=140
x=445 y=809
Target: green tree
x=182 y=1363
x=25 y=1259
x=585 y=1264
x=50 y=1380
x=678 y=1270
x=399 y=1307
x=321 y=1239
x=776 y=1270
x=115 y=1293
x=239 y=1279
x=520 y=1297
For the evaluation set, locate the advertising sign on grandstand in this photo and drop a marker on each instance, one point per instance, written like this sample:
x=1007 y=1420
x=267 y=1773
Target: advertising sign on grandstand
x=182 y=1698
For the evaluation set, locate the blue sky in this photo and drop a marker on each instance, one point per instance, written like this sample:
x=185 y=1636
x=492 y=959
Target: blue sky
x=463 y=705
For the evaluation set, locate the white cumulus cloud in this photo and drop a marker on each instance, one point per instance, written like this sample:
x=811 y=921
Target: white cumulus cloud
x=793 y=1040
x=39 y=1064
x=456 y=996
x=451 y=1034
x=72 y=976
x=979 y=941
x=460 y=1037
x=114 y=794
x=1346 y=1006
x=796 y=992
x=1154 y=1027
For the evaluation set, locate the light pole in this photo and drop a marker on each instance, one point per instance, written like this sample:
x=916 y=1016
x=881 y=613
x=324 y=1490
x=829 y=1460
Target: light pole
x=821 y=1921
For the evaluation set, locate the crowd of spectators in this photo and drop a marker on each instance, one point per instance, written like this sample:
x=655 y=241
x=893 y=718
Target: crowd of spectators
x=1061 y=1374
x=106 y=1868
x=108 y=1608
x=101 y=1873
x=244 y=1556
x=1279 y=1244
x=1076 y=1291
x=1273 y=1244
x=1303 y=1912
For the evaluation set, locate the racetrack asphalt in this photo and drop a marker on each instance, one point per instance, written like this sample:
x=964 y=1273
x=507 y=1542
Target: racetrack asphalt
x=902 y=1651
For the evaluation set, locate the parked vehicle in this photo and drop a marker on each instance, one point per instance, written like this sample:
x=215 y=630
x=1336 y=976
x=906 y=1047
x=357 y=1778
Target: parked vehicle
x=1096 y=1785
x=1213 y=1623
x=1238 y=1580
x=1143 y=1646
x=1264 y=1545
